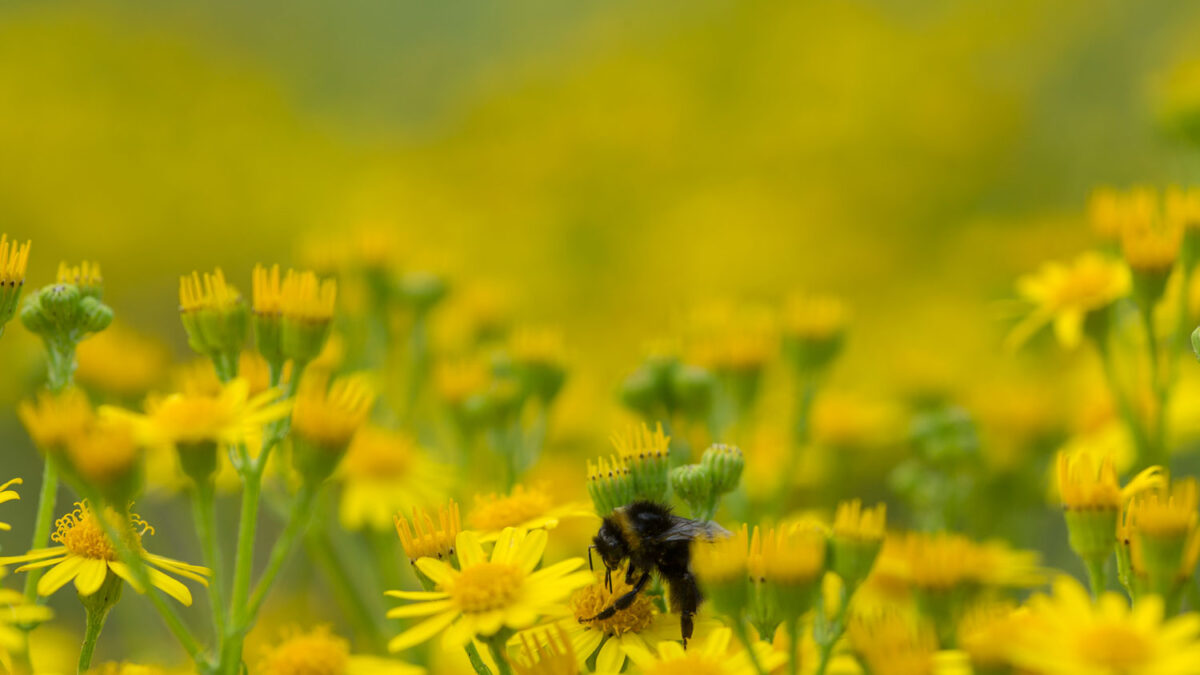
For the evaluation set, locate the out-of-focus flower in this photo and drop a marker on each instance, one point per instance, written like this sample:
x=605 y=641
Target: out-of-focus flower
x=14 y=613
x=1067 y=295
x=87 y=556
x=721 y=567
x=856 y=538
x=325 y=419
x=944 y=561
x=525 y=508
x=538 y=359
x=215 y=317
x=121 y=361
x=1160 y=539
x=487 y=594
x=199 y=377
x=107 y=457
x=713 y=655
x=813 y=328
x=320 y=652
x=1069 y=635
x=385 y=472
x=891 y=643
x=51 y=419
x=989 y=632
x=548 y=652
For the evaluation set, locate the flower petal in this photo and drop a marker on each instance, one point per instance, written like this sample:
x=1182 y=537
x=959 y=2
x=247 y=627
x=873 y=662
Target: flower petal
x=91 y=576
x=171 y=586
x=439 y=572
x=421 y=632
x=60 y=574
x=416 y=595
x=419 y=609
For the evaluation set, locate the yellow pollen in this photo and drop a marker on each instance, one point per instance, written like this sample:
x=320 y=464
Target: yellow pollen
x=81 y=534
x=318 y=652
x=14 y=258
x=591 y=600
x=496 y=512
x=210 y=292
x=1113 y=647
x=486 y=586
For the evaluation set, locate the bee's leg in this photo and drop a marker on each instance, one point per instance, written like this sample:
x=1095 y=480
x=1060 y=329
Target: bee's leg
x=629 y=571
x=685 y=628
x=624 y=601
x=685 y=599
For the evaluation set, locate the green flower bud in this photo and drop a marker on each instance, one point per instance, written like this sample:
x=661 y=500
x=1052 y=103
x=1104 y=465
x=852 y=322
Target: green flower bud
x=215 y=316
x=610 y=485
x=648 y=455
x=14 y=258
x=198 y=460
x=95 y=316
x=639 y=392
x=724 y=464
x=694 y=485
x=692 y=389
x=423 y=290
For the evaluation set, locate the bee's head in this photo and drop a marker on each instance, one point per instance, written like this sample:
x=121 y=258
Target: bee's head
x=611 y=546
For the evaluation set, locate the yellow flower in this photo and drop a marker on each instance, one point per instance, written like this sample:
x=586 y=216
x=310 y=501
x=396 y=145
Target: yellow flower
x=51 y=419
x=105 y=456
x=457 y=380
x=1066 y=295
x=547 y=653
x=487 y=594
x=228 y=416
x=85 y=275
x=989 y=632
x=943 y=561
x=536 y=345
x=320 y=652
x=86 y=556
x=14 y=258
x=894 y=644
x=303 y=297
x=198 y=376
x=1084 y=484
x=121 y=361
x=814 y=317
x=524 y=508
x=384 y=472
x=210 y=292
x=1069 y=635
x=421 y=538
x=15 y=612
x=639 y=626
x=329 y=416
x=7 y=495
x=852 y=522
x=713 y=656
x=724 y=560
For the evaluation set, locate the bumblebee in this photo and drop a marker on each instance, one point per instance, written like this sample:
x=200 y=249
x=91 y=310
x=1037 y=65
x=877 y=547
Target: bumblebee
x=652 y=540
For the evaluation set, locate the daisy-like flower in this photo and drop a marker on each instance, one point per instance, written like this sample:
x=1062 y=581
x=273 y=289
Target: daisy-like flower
x=325 y=420
x=525 y=508
x=51 y=419
x=712 y=656
x=230 y=415
x=421 y=538
x=7 y=495
x=1069 y=635
x=15 y=612
x=86 y=556
x=487 y=594
x=1066 y=294
x=385 y=472
x=894 y=644
x=639 y=626
x=944 y=561
x=121 y=361
x=321 y=652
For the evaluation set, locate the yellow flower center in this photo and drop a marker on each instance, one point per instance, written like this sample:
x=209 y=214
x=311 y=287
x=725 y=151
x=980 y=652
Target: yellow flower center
x=691 y=664
x=316 y=653
x=82 y=535
x=591 y=600
x=486 y=586
x=496 y=512
x=1113 y=647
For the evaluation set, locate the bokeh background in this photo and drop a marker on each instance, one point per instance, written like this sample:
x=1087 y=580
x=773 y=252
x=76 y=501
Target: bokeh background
x=610 y=165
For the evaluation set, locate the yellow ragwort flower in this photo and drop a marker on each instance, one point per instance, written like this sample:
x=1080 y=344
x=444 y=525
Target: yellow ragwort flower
x=330 y=415
x=14 y=258
x=547 y=653
x=505 y=590
x=422 y=538
x=1082 y=484
x=87 y=556
x=85 y=275
x=51 y=419
x=854 y=523
x=121 y=361
x=1066 y=294
x=16 y=613
x=1068 y=634
x=814 y=317
x=944 y=561
x=714 y=656
x=385 y=472
x=320 y=652
x=526 y=508
x=209 y=292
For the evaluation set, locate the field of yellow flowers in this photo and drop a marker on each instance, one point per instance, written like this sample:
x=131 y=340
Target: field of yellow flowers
x=395 y=338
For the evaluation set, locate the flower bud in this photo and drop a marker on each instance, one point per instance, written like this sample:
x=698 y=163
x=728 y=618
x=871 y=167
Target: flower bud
x=692 y=389
x=307 y=306
x=610 y=485
x=647 y=454
x=694 y=485
x=216 y=319
x=423 y=290
x=13 y=260
x=724 y=464
x=857 y=538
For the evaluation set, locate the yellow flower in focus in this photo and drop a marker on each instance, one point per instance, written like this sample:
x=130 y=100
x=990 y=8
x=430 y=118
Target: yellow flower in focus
x=86 y=556
x=121 y=361
x=330 y=415
x=487 y=594
x=639 y=626
x=1085 y=484
x=422 y=538
x=1068 y=634
x=15 y=612
x=713 y=656
x=385 y=472
x=51 y=419
x=547 y=653
x=320 y=652
x=524 y=508
x=7 y=495
x=1066 y=294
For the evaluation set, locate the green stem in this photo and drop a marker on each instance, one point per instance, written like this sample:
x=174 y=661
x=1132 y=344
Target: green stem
x=321 y=552
x=231 y=646
x=496 y=646
x=743 y=635
x=806 y=394
x=95 y=623
x=476 y=660
x=203 y=513
x=1097 y=575
x=1158 y=386
x=297 y=521
x=383 y=548
x=793 y=630
x=41 y=527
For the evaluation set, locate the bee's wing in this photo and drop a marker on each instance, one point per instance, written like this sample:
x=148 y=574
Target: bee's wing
x=686 y=529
